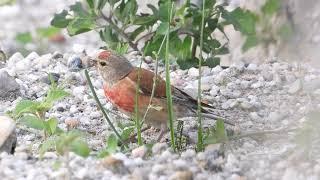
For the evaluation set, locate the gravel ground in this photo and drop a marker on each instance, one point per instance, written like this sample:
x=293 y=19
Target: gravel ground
x=262 y=97
x=273 y=95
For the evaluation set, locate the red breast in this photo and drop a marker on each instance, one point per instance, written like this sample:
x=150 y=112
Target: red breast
x=121 y=95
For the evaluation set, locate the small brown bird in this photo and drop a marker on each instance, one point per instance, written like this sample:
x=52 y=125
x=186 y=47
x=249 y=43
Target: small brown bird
x=121 y=80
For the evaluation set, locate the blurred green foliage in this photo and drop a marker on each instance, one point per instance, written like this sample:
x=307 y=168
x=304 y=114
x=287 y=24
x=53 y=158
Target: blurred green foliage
x=118 y=22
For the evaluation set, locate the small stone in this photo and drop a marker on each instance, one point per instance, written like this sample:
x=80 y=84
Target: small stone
x=216 y=70
x=193 y=72
x=148 y=59
x=114 y=164
x=244 y=84
x=9 y=88
x=252 y=67
x=23 y=65
x=57 y=55
x=246 y=105
x=139 y=152
x=73 y=109
x=214 y=90
x=295 y=87
x=14 y=59
x=254 y=116
x=182 y=175
x=257 y=85
x=159 y=148
x=74 y=63
x=43 y=61
x=8 y=138
x=32 y=56
x=72 y=123
x=51 y=77
x=78 y=91
x=275 y=117
x=50 y=155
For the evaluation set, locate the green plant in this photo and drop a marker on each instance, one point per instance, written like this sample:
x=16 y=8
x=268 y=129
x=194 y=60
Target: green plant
x=112 y=146
x=271 y=28
x=216 y=134
x=32 y=113
x=39 y=36
x=123 y=25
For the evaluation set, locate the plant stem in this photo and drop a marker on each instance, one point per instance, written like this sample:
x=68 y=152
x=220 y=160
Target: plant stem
x=168 y=84
x=100 y=106
x=154 y=79
x=119 y=31
x=200 y=133
x=138 y=124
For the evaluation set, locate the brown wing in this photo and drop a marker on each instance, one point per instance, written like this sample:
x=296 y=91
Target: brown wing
x=146 y=82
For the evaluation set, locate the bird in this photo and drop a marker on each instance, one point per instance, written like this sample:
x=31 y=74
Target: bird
x=121 y=82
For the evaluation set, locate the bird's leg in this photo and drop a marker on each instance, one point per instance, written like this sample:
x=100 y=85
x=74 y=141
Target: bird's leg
x=163 y=130
x=132 y=138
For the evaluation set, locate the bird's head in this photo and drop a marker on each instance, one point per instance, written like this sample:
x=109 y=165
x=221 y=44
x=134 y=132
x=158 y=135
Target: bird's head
x=112 y=67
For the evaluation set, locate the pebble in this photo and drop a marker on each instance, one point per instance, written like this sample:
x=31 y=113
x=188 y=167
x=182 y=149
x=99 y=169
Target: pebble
x=295 y=87
x=9 y=88
x=139 y=152
x=252 y=67
x=51 y=77
x=74 y=63
x=158 y=148
x=182 y=175
x=32 y=56
x=193 y=72
x=43 y=61
x=14 y=59
x=8 y=138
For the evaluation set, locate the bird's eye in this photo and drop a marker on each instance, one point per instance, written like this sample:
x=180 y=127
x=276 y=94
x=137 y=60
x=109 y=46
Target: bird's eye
x=103 y=63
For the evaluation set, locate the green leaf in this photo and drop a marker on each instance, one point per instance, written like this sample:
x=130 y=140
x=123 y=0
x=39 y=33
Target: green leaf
x=242 y=20
x=187 y=63
x=218 y=134
x=55 y=94
x=127 y=131
x=221 y=51
x=130 y=8
x=147 y=20
x=51 y=125
x=250 y=42
x=59 y=20
x=185 y=49
x=136 y=32
x=25 y=106
x=113 y=2
x=32 y=122
x=101 y=4
x=163 y=11
x=163 y=28
x=80 y=25
x=103 y=153
x=80 y=147
x=212 y=24
x=47 y=145
x=47 y=32
x=270 y=7
x=108 y=36
x=212 y=62
x=90 y=3
x=153 y=8
x=209 y=4
x=24 y=38
x=112 y=143
x=82 y=21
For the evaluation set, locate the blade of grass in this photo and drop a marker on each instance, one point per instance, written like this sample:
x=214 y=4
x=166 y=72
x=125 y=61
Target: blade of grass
x=137 y=122
x=200 y=133
x=154 y=78
x=168 y=84
x=101 y=107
